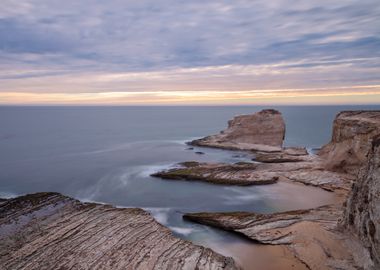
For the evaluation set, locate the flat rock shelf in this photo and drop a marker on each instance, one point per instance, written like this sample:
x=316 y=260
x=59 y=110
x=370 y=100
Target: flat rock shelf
x=52 y=231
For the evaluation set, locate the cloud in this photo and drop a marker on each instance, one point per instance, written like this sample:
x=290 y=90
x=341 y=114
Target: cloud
x=77 y=43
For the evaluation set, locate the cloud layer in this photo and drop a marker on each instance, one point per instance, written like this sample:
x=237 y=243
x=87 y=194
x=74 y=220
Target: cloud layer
x=77 y=47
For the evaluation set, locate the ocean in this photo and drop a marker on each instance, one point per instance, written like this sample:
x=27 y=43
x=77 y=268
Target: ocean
x=106 y=154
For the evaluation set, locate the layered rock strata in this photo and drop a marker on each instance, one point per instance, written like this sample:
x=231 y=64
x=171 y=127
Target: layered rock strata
x=362 y=211
x=218 y=173
x=262 y=131
x=51 y=231
x=310 y=235
x=351 y=140
x=242 y=173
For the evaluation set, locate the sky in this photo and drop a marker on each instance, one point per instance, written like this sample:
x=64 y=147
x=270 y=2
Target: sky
x=174 y=52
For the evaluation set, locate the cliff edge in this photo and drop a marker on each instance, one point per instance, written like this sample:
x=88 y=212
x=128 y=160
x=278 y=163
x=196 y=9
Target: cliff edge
x=362 y=211
x=352 y=135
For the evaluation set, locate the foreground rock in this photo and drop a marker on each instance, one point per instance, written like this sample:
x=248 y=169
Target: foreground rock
x=310 y=235
x=262 y=131
x=51 y=231
x=362 y=213
x=242 y=173
x=351 y=140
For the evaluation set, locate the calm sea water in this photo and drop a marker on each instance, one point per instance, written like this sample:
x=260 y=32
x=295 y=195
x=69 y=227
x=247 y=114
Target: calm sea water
x=106 y=154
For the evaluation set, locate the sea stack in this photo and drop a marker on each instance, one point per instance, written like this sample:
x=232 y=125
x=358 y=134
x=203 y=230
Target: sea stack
x=261 y=131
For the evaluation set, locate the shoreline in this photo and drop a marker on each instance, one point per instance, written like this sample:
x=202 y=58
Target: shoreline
x=304 y=238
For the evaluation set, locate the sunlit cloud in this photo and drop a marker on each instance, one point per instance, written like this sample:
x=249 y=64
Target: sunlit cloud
x=365 y=94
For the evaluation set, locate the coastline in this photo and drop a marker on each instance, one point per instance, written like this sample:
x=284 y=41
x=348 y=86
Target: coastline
x=341 y=193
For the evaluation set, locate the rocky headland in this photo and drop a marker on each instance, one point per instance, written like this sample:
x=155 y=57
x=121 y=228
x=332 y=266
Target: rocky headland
x=340 y=236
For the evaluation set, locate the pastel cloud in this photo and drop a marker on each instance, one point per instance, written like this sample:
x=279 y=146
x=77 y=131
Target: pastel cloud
x=69 y=50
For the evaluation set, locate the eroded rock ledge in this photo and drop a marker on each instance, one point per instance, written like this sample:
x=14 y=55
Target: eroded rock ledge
x=52 y=231
x=243 y=173
x=311 y=235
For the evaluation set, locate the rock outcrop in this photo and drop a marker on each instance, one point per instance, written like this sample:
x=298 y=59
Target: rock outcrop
x=311 y=235
x=218 y=173
x=242 y=173
x=362 y=213
x=262 y=131
x=51 y=231
x=351 y=140
x=288 y=154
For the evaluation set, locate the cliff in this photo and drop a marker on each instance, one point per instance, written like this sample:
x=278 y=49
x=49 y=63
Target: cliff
x=351 y=140
x=261 y=131
x=51 y=231
x=362 y=212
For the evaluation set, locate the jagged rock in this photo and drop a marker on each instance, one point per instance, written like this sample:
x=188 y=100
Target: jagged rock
x=311 y=235
x=351 y=140
x=51 y=231
x=218 y=173
x=242 y=173
x=262 y=131
x=362 y=213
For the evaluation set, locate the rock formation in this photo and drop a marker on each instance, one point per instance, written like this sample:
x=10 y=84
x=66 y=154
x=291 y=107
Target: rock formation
x=219 y=173
x=351 y=140
x=362 y=212
x=51 y=231
x=242 y=173
x=262 y=131
x=311 y=235
x=288 y=154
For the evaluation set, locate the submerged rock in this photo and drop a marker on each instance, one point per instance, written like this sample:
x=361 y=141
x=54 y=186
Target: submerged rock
x=52 y=231
x=262 y=131
x=362 y=212
x=351 y=140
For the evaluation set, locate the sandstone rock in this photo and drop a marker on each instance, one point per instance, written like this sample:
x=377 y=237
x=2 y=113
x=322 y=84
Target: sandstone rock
x=217 y=173
x=262 y=131
x=351 y=140
x=242 y=173
x=362 y=213
x=310 y=235
x=287 y=154
x=295 y=151
x=276 y=158
x=51 y=231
